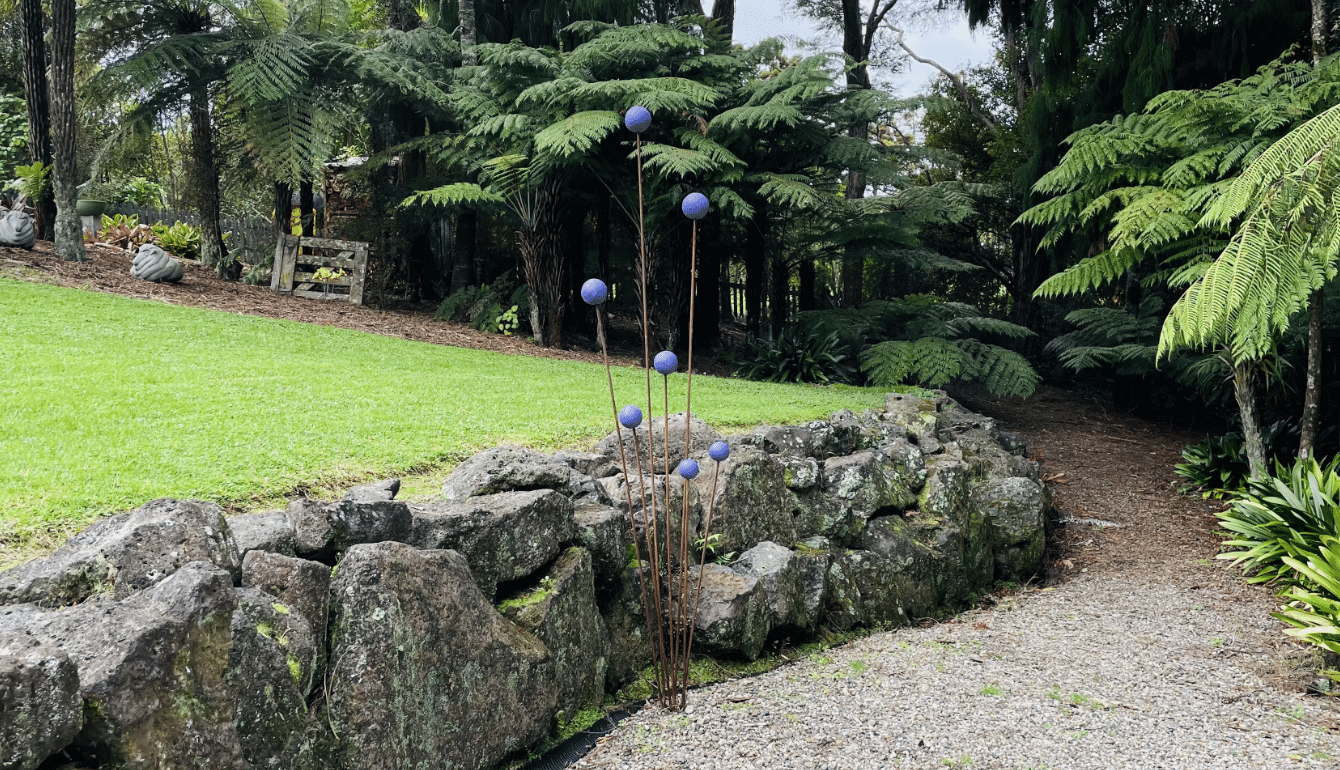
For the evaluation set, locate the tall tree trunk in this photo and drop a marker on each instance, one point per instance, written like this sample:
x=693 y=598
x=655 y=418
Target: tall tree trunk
x=574 y=254
x=542 y=262
x=39 y=109
x=1307 y=433
x=69 y=232
x=604 y=237
x=723 y=13
x=1318 y=31
x=306 y=209
x=212 y=251
x=755 y=268
x=707 y=308
x=1244 y=391
x=858 y=77
x=778 y=309
x=283 y=216
x=463 y=270
x=807 y=280
x=466 y=10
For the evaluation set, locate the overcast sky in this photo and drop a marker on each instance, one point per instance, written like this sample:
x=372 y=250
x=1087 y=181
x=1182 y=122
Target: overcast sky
x=949 y=42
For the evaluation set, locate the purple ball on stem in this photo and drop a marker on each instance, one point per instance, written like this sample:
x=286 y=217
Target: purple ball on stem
x=630 y=416
x=594 y=291
x=688 y=468
x=666 y=362
x=719 y=450
x=637 y=119
x=694 y=206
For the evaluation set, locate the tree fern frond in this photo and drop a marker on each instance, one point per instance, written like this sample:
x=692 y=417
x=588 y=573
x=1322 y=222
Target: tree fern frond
x=577 y=134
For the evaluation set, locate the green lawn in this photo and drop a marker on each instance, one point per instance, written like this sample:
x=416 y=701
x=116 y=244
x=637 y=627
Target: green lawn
x=107 y=402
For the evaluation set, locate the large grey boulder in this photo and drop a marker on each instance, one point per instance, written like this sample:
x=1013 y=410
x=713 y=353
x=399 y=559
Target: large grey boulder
x=701 y=437
x=321 y=530
x=947 y=501
x=504 y=537
x=153 y=264
x=752 y=502
x=919 y=416
x=270 y=674
x=733 y=616
x=870 y=482
x=40 y=707
x=625 y=622
x=561 y=612
x=386 y=489
x=794 y=441
x=652 y=490
x=125 y=553
x=151 y=671
x=297 y=589
x=606 y=534
x=793 y=583
x=515 y=469
x=16 y=230
x=800 y=473
x=424 y=672
x=984 y=451
x=1017 y=509
x=268 y=531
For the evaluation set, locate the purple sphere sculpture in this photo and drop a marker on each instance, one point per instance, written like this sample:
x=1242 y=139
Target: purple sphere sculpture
x=666 y=362
x=637 y=119
x=630 y=416
x=595 y=292
x=688 y=468
x=694 y=206
x=719 y=450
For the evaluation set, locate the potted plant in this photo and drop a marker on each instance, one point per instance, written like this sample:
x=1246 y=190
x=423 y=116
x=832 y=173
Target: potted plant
x=94 y=197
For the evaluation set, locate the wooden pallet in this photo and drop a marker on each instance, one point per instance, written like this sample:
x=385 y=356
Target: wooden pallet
x=297 y=260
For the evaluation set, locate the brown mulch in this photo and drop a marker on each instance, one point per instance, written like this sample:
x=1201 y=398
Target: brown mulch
x=108 y=270
x=1117 y=468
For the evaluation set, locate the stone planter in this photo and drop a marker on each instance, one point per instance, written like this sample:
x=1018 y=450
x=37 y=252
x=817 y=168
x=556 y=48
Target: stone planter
x=89 y=207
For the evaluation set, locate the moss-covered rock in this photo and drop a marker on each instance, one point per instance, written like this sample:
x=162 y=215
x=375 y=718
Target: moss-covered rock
x=561 y=612
x=296 y=589
x=752 y=502
x=151 y=671
x=40 y=708
x=504 y=537
x=733 y=618
x=125 y=553
x=424 y=672
x=1017 y=509
x=270 y=669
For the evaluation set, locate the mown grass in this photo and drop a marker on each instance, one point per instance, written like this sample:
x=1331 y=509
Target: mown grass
x=107 y=402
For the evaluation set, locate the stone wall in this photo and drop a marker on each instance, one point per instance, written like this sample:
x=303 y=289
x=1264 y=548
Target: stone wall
x=373 y=634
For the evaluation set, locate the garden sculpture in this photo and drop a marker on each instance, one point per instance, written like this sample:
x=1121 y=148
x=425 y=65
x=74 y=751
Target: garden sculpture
x=669 y=606
x=16 y=229
x=154 y=264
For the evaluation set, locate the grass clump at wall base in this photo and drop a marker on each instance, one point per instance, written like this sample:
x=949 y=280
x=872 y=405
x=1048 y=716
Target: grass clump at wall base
x=109 y=402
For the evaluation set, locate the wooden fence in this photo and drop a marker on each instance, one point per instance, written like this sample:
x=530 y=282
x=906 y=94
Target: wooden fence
x=250 y=239
x=339 y=268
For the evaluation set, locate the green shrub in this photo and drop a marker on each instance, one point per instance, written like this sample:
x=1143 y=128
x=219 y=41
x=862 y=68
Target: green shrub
x=924 y=340
x=457 y=306
x=179 y=238
x=1314 y=610
x=1218 y=465
x=1283 y=516
x=798 y=356
x=484 y=308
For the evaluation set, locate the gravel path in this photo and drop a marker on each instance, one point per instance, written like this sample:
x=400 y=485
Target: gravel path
x=1146 y=655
